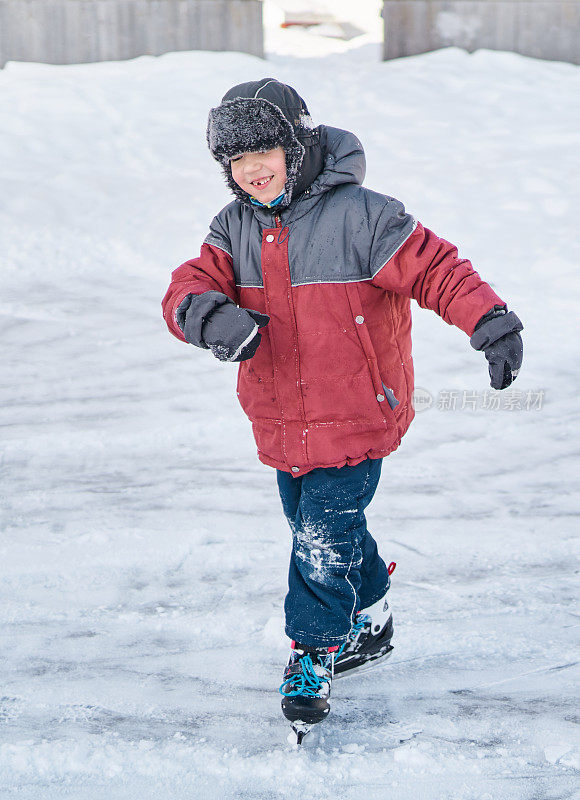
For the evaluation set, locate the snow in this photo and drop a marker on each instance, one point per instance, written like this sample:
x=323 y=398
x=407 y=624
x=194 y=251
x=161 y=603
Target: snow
x=143 y=549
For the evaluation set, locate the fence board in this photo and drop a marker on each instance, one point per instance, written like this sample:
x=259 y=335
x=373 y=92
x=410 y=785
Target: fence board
x=80 y=31
x=548 y=29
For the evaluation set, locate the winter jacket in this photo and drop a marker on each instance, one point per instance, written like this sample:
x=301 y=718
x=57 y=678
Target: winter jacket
x=332 y=380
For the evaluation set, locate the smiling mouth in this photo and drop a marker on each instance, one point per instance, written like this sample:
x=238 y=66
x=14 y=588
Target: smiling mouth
x=259 y=183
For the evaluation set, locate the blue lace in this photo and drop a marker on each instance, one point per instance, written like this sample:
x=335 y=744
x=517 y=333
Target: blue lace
x=354 y=632
x=306 y=683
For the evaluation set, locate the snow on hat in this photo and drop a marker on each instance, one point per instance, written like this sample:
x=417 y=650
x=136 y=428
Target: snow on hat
x=247 y=123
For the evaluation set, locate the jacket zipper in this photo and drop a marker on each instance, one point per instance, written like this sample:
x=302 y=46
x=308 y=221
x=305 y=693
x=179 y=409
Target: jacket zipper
x=278 y=223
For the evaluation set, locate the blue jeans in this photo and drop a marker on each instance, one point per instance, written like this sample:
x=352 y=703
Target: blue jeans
x=335 y=568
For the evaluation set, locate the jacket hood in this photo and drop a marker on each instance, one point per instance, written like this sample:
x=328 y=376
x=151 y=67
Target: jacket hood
x=261 y=115
x=343 y=162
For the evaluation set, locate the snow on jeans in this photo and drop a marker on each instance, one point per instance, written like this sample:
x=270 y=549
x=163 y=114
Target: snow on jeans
x=335 y=568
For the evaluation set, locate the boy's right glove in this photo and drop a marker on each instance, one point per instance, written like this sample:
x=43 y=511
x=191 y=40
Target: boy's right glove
x=212 y=321
x=498 y=335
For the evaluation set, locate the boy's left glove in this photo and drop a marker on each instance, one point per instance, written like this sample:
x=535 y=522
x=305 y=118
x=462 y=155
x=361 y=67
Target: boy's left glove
x=497 y=334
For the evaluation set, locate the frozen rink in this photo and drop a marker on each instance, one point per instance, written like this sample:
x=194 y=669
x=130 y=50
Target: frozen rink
x=143 y=549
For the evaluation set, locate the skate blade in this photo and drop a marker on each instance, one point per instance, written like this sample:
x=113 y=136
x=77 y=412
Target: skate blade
x=367 y=666
x=299 y=731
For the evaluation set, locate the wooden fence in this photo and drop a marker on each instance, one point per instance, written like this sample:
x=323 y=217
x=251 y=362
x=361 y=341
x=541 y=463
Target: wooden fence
x=548 y=29
x=80 y=31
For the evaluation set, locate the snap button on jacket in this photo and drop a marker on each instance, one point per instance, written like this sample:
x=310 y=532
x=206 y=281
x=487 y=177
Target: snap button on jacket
x=335 y=272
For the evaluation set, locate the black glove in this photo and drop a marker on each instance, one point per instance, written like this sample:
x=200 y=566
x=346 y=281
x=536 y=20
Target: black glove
x=231 y=333
x=497 y=334
x=212 y=321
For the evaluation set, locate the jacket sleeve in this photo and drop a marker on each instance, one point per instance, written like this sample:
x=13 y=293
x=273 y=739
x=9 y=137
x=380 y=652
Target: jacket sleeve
x=212 y=271
x=429 y=270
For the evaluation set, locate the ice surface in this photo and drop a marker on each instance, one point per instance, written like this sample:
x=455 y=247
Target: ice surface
x=143 y=550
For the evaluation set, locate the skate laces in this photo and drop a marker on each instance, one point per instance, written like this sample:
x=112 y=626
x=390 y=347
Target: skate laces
x=355 y=632
x=306 y=682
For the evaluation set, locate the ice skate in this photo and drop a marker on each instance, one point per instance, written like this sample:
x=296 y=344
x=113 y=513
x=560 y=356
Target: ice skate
x=306 y=687
x=369 y=641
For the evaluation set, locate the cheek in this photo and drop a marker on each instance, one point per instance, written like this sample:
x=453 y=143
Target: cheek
x=236 y=174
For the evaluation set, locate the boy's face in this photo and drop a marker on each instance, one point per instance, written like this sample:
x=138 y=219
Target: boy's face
x=262 y=175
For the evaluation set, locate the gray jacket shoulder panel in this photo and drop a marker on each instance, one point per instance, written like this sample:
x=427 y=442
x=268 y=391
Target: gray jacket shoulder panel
x=331 y=244
x=347 y=237
x=219 y=234
x=238 y=232
x=393 y=228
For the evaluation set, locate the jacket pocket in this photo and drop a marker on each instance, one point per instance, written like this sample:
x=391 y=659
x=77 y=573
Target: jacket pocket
x=381 y=392
x=390 y=397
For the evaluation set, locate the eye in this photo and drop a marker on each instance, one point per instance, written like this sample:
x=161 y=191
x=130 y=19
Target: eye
x=235 y=158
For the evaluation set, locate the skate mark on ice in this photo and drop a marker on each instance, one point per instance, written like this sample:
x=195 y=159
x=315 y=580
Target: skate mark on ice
x=411 y=549
x=429 y=588
x=428 y=657
x=540 y=670
x=469 y=704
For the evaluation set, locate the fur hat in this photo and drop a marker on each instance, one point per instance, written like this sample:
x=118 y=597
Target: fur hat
x=248 y=123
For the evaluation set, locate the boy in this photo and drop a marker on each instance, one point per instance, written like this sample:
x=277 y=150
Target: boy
x=305 y=279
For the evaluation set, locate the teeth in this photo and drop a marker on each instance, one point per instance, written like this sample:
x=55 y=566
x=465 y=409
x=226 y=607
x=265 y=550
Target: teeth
x=261 y=182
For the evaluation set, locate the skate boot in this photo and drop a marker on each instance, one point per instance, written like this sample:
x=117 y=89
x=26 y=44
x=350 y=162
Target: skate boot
x=369 y=641
x=306 y=687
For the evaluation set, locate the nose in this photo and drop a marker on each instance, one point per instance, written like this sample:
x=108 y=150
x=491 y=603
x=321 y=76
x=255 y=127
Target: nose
x=253 y=164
